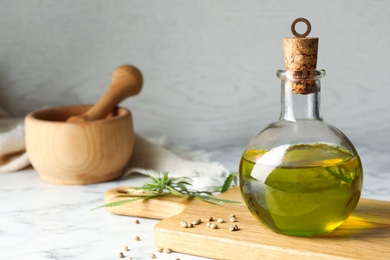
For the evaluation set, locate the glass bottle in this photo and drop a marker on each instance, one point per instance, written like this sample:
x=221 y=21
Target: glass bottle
x=301 y=176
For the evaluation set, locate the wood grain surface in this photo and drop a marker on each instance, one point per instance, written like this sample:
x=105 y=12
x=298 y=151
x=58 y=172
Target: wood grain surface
x=80 y=152
x=365 y=235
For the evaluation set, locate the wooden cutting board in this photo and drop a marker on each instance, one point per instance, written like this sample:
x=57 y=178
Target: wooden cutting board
x=365 y=235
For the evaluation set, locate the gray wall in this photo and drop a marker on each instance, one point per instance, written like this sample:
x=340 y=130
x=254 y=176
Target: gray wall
x=209 y=65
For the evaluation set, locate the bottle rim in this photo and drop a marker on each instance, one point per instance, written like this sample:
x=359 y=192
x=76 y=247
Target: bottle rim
x=300 y=74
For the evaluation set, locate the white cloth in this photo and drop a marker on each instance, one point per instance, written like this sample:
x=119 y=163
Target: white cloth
x=13 y=155
x=149 y=156
x=156 y=156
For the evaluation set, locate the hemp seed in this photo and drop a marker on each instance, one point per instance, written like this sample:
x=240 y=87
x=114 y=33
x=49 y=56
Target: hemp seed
x=233 y=228
x=213 y=226
x=121 y=255
x=167 y=250
x=232 y=219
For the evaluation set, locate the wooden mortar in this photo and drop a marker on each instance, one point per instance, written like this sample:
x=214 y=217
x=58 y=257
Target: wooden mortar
x=71 y=145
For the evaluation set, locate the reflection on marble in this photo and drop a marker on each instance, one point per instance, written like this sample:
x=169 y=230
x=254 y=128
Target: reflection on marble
x=43 y=221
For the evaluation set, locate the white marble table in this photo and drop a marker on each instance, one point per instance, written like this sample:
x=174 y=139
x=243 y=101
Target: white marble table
x=44 y=221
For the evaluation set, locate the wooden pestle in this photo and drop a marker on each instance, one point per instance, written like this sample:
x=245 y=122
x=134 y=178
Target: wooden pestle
x=126 y=81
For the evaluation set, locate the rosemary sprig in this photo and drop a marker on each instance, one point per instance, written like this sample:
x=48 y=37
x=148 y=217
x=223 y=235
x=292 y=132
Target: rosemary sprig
x=230 y=181
x=163 y=185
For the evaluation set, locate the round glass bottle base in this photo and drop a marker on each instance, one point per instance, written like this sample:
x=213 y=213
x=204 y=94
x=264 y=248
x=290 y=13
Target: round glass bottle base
x=301 y=190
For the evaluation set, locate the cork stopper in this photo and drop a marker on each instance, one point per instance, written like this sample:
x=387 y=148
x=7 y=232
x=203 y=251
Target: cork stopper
x=300 y=56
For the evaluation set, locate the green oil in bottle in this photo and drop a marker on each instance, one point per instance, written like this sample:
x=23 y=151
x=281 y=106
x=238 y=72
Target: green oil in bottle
x=301 y=190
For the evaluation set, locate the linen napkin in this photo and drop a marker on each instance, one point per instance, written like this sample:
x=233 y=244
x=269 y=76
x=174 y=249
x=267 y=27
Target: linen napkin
x=13 y=154
x=156 y=156
x=149 y=156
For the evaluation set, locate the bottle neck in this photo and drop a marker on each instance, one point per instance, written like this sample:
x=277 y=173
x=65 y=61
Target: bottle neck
x=301 y=96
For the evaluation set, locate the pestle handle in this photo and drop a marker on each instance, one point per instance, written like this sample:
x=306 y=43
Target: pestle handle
x=126 y=81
